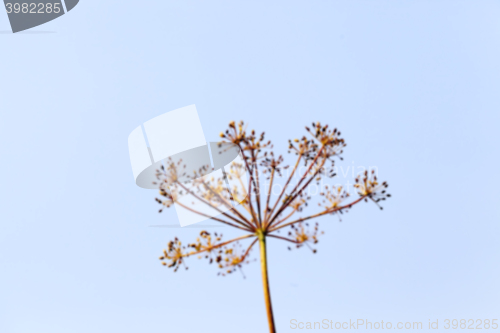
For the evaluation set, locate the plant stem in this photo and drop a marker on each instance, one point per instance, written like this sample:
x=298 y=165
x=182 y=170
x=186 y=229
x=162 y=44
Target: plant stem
x=265 y=282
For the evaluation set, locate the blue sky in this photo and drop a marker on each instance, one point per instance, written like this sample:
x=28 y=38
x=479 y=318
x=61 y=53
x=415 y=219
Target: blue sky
x=413 y=86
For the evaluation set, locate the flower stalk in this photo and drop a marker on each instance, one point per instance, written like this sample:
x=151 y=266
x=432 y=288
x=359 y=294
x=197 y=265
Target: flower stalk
x=265 y=281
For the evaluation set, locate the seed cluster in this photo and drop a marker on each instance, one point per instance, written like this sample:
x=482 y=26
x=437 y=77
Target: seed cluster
x=227 y=258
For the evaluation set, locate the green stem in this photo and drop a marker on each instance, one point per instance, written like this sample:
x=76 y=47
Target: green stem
x=265 y=281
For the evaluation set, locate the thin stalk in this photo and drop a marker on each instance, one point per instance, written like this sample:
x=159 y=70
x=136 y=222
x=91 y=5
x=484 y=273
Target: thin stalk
x=218 y=245
x=284 y=238
x=268 y=209
x=286 y=185
x=257 y=186
x=328 y=211
x=213 y=218
x=251 y=180
x=265 y=282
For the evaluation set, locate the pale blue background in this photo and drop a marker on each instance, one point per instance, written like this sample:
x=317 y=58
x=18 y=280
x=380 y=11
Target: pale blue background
x=413 y=85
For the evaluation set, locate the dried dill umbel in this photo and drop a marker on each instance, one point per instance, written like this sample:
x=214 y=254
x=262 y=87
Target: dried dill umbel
x=259 y=213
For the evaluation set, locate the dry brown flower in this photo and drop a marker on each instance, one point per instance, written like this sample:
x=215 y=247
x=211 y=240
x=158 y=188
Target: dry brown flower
x=256 y=210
